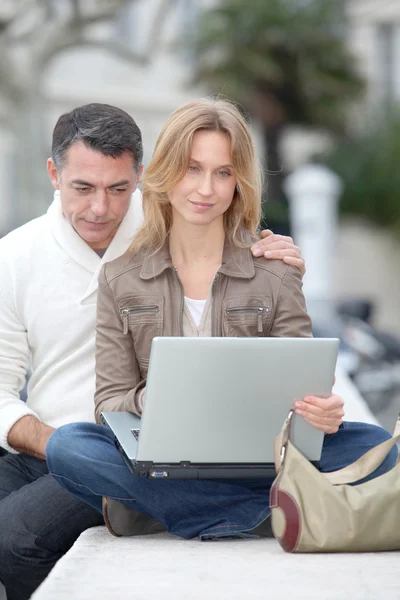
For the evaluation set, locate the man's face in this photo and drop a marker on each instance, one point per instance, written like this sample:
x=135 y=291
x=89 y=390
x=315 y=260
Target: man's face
x=95 y=191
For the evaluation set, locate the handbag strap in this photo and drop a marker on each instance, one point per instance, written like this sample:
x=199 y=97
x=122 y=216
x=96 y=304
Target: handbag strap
x=364 y=466
x=361 y=468
x=281 y=441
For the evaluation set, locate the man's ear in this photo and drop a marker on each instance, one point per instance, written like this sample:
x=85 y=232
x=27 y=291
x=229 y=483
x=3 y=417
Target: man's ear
x=139 y=175
x=53 y=174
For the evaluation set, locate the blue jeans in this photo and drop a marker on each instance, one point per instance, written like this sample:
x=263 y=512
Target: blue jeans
x=39 y=522
x=83 y=458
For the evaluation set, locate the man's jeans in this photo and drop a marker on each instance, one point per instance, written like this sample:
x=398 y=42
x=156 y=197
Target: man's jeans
x=85 y=461
x=39 y=522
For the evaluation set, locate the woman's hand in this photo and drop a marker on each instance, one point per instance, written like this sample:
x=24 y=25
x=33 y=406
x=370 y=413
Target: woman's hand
x=325 y=414
x=279 y=247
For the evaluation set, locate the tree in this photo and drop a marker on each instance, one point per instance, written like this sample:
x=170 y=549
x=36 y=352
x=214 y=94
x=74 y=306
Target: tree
x=368 y=165
x=32 y=34
x=286 y=61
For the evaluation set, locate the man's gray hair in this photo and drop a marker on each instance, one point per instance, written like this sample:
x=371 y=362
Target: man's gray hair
x=104 y=128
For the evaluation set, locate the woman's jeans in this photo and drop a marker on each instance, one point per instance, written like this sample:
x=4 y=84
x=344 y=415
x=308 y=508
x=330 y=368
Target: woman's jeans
x=85 y=461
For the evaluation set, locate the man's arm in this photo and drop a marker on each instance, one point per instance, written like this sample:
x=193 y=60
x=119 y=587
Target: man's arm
x=279 y=247
x=30 y=436
x=14 y=360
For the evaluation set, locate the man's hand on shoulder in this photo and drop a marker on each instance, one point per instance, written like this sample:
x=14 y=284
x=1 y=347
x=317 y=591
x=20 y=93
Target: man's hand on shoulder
x=30 y=436
x=279 y=247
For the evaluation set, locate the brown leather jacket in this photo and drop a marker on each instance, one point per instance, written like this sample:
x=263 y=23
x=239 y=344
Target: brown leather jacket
x=140 y=296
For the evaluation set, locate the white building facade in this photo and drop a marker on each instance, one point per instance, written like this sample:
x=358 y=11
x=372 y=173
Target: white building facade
x=149 y=91
x=375 y=38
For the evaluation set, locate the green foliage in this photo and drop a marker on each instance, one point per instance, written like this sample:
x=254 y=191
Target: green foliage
x=293 y=52
x=370 y=168
x=275 y=216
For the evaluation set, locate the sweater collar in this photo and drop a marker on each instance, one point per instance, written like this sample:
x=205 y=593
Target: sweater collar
x=236 y=262
x=80 y=252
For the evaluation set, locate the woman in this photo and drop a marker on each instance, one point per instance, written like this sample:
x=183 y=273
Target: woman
x=190 y=272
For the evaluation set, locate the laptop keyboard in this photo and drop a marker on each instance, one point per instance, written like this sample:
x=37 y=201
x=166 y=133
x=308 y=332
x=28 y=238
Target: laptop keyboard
x=135 y=433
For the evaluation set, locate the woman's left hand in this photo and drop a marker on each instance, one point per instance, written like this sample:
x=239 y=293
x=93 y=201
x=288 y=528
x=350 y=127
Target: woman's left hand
x=325 y=414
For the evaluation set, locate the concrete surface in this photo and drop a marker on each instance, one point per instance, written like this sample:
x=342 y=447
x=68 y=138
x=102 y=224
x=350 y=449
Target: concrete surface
x=367 y=264
x=163 y=566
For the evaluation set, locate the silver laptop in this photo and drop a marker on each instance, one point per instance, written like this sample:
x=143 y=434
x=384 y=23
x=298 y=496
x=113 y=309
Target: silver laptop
x=214 y=406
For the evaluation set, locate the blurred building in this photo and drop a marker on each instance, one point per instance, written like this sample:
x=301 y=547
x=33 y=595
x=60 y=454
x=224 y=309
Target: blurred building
x=94 y=71
x=367 y=263
x=149 y=87
x=375 y=39
x=367 y=257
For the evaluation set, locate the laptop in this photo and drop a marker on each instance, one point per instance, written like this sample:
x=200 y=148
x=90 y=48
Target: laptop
x=214 y=406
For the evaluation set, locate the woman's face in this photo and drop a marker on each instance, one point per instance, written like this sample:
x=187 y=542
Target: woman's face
x=207 y=189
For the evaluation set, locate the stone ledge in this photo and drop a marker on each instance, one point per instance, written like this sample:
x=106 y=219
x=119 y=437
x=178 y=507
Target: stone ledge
x=166 y=567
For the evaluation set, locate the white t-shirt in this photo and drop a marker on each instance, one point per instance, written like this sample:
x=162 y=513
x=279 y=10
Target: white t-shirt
x=196 y=308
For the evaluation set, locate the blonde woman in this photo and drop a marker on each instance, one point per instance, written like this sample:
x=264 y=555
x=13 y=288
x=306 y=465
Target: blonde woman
x=189 y=262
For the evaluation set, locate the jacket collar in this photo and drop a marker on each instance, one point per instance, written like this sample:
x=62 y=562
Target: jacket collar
x=236 y=262
x=80 y=252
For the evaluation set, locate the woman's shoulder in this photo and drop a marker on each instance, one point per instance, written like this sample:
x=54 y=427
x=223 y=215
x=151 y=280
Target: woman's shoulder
x=272 y=267
x=278 y=274
x=129 y=261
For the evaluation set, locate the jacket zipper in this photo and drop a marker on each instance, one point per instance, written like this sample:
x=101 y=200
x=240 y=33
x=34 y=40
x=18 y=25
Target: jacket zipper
x=129 y=310
x=182 y=301
x=259 y=309
x=213 y=303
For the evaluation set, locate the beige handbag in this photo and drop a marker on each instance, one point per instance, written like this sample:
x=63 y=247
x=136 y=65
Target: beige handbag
x=318 y=512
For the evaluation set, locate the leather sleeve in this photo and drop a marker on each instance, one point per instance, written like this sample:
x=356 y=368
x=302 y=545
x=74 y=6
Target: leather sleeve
x=291 y=318
x=117 y=371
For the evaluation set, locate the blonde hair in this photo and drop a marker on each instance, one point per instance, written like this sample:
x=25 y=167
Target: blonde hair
x=170 y=162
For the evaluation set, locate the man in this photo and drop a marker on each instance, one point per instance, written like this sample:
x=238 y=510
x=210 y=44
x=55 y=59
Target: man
x=48 y=283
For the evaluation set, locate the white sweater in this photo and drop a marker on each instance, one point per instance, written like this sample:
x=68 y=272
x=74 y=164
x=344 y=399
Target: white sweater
x=48 y=289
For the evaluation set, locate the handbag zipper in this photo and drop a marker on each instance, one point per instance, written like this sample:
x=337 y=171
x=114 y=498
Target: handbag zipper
x=257 y=309
x=129 y=310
